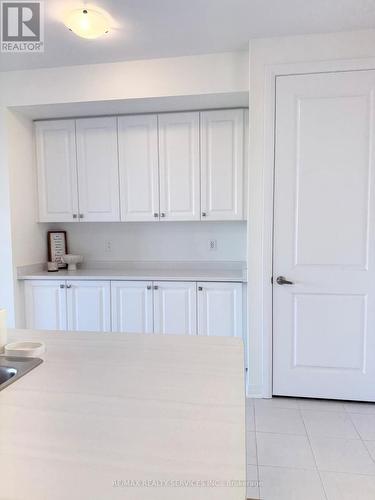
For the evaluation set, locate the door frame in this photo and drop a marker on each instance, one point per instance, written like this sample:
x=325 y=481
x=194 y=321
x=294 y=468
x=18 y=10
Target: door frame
x=260 y=328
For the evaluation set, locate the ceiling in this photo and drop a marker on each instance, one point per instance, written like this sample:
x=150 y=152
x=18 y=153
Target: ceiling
x=144 y=29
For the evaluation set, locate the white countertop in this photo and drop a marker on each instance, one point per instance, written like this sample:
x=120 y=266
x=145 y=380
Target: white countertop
x=172 y=272
x=138 y=275
x=107 y=407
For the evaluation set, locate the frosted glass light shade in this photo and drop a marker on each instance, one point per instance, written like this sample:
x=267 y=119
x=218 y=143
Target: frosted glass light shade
x=87 y=23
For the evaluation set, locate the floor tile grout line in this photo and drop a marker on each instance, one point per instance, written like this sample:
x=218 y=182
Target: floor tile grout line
x=364 y=443
x=357 y=431
x=313 y=454
x=318 y=470
x=368 y=451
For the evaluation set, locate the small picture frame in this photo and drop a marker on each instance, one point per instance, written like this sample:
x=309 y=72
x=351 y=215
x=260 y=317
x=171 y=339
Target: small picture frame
x=57 y=247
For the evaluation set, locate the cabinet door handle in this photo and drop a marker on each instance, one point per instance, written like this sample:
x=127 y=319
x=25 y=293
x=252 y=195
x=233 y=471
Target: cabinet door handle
x=81 y=216
x=200 y=288
x=74 y=216
x=156 y=287
x=156 y=215
x=68 y=286
x=204 y=214
x=148 y=287
x=62 y=286
x=162 y=214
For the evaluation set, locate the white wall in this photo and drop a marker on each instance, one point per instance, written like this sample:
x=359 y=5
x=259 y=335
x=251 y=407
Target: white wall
x=174 y=241
x=267 y=55
x=29 y=241
x=28 y=237
x=6 y=258
x=175 y=76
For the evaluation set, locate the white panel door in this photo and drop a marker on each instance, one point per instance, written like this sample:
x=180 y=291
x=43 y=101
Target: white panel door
x=324 y=234
x=139 y=167
x=175 y=308
x=97 y=163
x=89 y=306
x=220 y=309
x=57 y=171
x=222 y=164
x=132 y=306
x=179 y=166
x=45 y=302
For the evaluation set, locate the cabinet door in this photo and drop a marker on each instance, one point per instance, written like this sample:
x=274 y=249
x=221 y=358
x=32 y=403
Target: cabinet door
x=45 y=304
x=139 y=167
x=179 y=166
x=175 y=308
x=220 y=309
x=97 y=163
x=89 y=304
x=132 y=310
x=222 y=164
x=57 y=171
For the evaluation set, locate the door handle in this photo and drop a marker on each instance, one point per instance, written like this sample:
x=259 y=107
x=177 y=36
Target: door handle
x=280 y=280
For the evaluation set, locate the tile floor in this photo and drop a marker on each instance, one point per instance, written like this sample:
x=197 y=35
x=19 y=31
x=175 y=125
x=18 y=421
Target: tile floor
x=299 y=449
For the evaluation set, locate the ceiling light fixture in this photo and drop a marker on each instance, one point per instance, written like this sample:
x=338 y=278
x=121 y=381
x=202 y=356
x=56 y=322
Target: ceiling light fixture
x=87 y=23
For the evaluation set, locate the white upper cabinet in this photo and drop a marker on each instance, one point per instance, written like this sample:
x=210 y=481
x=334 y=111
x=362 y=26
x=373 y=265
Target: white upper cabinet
x=45 y=304
x=220 y=309
x=179 y=166
x=175 y=308
x=57 y=174
x=171 y=167
x=132 y=306
x=139 y=167
x=89 y=305
x=222 y=164
x=97 y=163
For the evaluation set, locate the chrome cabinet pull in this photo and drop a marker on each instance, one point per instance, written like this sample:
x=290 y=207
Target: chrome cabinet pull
x=162 y=214
x=62 y=286
x=200 y=288
x=148 y=287
x=156 y=215
x=204 y=214
x=74 y=216
x=81 y=216
x=156 y=287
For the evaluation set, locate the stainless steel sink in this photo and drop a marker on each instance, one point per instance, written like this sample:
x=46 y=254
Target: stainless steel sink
x=11 y=369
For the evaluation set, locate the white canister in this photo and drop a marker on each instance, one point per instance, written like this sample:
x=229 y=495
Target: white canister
x=3 y=329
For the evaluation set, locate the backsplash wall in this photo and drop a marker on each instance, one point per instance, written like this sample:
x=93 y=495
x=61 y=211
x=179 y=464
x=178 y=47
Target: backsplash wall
x=156 y=241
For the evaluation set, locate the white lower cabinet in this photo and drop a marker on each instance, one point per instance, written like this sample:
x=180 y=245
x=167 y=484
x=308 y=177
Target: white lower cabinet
x=132 y=306
x=220 y=309
x=68 y=305
x=89 y=305
x=45 y=302
x=166 y=307
x=175 y=307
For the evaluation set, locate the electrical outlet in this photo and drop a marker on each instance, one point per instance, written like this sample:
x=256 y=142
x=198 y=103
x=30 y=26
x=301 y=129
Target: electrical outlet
x=108 y=246
x=212 y=245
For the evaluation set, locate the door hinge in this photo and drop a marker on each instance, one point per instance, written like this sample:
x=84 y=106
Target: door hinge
x=271 y=280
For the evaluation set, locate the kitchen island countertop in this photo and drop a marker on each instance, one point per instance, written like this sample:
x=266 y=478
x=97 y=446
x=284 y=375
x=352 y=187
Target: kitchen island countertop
x=107 y=416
